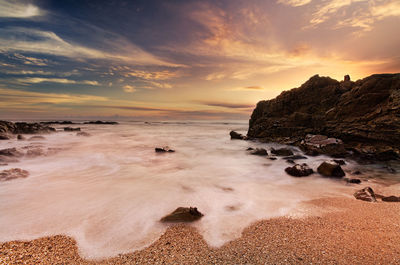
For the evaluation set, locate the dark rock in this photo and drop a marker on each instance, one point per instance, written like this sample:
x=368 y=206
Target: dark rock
x=57 y=122
x=331 y=169
x=298 y=170
x=163 y=149
x=362 y=113
x=357 y=172
x=250 y=149
x=391 y=199
x=340 y=162
x=21 y=137
x=13 y=152
x=282 y=152
x=290 y=161
x=294 y=157
x=8 y=159
x=259 y=152
x=101 y=122
x=83 y=134
x=321 y=144
x=366 y=194
x=272 y=158
x=36 y=138
x=346 y=78
x=4 y=136
x=238 y=136
x=353 y=181
x=24 y=128
x=13 y=173
x=183 y=214
x=70 y=129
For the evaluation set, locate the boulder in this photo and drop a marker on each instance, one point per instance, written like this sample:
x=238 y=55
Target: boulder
x=249 y=149
x=238 y=136
x=21 y=137
x=298 y=170
x=13 y=173
x=282 y=152
x=259 y=152
x=362 y=113
x=331 y=169
x=391 y=199
x=70 y=129
x=365 y=194
x=164 y=149
x=183 y=214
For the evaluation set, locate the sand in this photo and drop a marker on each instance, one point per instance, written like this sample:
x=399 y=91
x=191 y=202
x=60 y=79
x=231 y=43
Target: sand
x=356 y=232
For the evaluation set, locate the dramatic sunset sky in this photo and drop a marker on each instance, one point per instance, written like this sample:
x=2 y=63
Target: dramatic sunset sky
x=182 y=59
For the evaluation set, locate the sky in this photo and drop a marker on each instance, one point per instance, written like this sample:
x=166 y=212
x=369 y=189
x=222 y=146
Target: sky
x=182 y=59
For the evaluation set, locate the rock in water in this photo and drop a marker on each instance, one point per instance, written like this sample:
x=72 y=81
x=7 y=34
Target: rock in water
x=13 y=152
x=353 y=181
x=298 y=170
x=366 y=194
x=259 y=152
x=183 y=214
x=321 y=144
x=4 y=136
x=164 y=149
x=83 y=134
x=20 y=137
x=13 y=173
x=366 y=114
x=331 y=169
x=70 y=129
x=282 y=152
x=391 y=199
x=37 y=138
x=238 y=136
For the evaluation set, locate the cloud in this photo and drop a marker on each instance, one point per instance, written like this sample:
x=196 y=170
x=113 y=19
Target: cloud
x=49 y=43
x=226 y=105
x=36 y=80
x=129 y=89
x=13 y=9
x=152 y=75
x=254 y=87
x=294 y=2
x=30 y=60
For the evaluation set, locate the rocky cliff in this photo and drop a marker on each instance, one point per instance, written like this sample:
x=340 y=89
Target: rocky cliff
x=364 y=114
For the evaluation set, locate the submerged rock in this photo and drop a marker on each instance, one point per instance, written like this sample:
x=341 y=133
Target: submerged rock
x=20 y=137
x=37 y=138
x=259 y=152
x=164 y=149
x=331 y=169
x=83 y=134
x=365 y=194
x=183 y=214
x=391 y=199
x=298 y=170
x=282 y=152
x=13 y=173
x=353 y=181
x=238 y=136
x=70 y=129
x=4 y=136
x=294 y=157
x=12 y=152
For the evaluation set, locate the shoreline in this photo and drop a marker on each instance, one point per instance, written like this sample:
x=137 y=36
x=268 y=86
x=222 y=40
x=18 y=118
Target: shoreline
x=357 y=232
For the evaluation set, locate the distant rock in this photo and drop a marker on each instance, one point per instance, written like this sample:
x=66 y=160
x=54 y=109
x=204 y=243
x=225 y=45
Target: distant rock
x=164 y=149
x=365 y=194
x=282 y=152
x=364 y=115
x=35 y=151
x=238 y=136
x=298 y=170
x=353 y=181
x=259 y=152
x=13 y=173
x=4 y=136
x=331 y=169
x=83 y=134
x=24 y=128
x=183 y=214
x=249 y=149
x=391 y=199
x=21 y=137
x=101 y=122
x=70 y=129
x=57 y=122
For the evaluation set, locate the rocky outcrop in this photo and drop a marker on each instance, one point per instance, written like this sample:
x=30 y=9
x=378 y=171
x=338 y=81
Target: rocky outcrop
x=164 y=149
x=7 y=127
x=365 y=115
x=259 y=152
x=298 y=170
x=237 y=136
x=183 y=214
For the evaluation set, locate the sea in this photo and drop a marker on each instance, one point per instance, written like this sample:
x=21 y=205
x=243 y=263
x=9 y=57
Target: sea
x=109 y=190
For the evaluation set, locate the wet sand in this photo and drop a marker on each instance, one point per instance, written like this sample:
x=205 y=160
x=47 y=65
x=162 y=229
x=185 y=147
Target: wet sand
x=356 y=232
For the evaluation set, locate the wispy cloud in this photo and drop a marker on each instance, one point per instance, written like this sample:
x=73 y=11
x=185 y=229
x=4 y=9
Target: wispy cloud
x=36 y=80
x=129 y=89
x=294 y=2
x=226 y=105
x=14 y=9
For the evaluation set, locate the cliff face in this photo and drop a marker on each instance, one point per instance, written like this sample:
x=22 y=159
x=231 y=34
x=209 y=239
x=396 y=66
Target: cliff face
x=364 y=114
